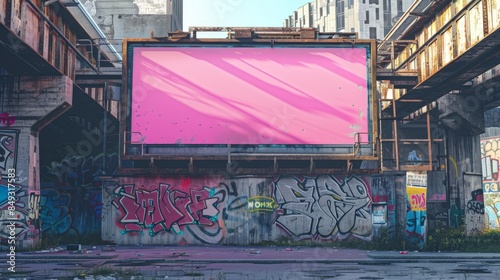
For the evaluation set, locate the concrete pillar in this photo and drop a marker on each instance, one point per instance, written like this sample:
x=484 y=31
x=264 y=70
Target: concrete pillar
x=464 y=121
x=31 y=104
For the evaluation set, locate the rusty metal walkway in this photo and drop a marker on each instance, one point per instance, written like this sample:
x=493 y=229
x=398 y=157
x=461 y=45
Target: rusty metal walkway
x=438 y=47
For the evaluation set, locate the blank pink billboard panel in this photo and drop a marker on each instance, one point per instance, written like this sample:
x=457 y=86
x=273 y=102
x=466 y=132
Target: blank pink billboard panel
x=249 y=95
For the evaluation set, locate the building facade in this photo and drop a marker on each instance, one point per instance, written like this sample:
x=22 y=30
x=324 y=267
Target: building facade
x=120 y=19
x=371 y=19
x=51 y=122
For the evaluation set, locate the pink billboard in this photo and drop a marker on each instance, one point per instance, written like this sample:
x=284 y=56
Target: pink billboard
x=223 y=95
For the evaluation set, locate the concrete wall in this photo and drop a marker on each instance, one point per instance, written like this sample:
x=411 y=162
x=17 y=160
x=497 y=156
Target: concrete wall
x=119 y=19
x=71 y=159
x=464 y=123
x=27 y=106
x=466 y=194
x=246 y=210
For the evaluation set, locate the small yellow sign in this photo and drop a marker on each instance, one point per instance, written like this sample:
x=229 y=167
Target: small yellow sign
x=261 y=203
x=417 y=197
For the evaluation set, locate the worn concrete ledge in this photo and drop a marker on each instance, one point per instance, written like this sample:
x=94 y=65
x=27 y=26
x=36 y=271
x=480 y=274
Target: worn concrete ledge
x=139 y=256
x=432 y=256
x=63 y=258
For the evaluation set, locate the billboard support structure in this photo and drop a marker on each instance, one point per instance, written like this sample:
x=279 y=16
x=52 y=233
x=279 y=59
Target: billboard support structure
x=267 y=103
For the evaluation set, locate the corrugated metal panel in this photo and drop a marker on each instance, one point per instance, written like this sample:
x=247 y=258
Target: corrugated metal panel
x=447 y=52
x=462 y=40
x=476 y=29
x=423 y=65
x=71 y=63
x=30 y=32
x=433 y=57
x=3 y=10
x=46 y=38
x=52 y=47
x=493 y=14
x=16 y=22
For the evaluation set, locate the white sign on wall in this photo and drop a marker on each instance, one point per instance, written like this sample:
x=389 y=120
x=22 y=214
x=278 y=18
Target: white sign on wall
x=416 y=179
x=152 y=7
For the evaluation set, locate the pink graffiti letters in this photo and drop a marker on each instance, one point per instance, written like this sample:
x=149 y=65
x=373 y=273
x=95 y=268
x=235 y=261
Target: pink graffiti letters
x=166 y=208
x=418 y=200
x=7 y=119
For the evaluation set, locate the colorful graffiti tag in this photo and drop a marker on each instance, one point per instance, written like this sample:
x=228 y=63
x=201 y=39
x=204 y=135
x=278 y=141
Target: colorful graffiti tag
x=324 y=207
x=490 y=152
x=78 y=171
x=25 y=229
x=54 y=211
x=169 y=208
x=70 y=198
x=215 y=210
x=474 y=212
x=416 y=211
x=8 y=150
x=258 y=204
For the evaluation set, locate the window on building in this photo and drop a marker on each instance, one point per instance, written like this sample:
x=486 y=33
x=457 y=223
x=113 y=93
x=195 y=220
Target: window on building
x=350 y=4
x=340 y=15
x=321 y=11
x=373 y=33
x=387 y=16
x=400 y=6
x=377 y=14
x=367 y=19
x=373 y=2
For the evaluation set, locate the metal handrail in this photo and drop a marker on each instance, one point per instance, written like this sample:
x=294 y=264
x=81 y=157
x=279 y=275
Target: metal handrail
x=358 y=142
x=125 y=143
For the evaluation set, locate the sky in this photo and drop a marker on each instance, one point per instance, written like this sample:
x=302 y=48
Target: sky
x=235 y=13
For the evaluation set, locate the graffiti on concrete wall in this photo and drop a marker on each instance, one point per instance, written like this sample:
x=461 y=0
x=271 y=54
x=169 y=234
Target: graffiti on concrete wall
x=172 y=209
x=416 y=216
x=25 y=226
x=383 y=191
x=216 y=210
x=71 y=212
x=8 y=150
x=208 y=212
x=54 y=211
x=34 y=205
x=490 y=153
x=474 y=211
x=19 y=209
x=78 y=171
x=71 y=199
x=108 y=189
x=416 y=227
x=416 y=211
x=324 y=207
x=257 y=204
x=492 y=209
x=6 y=119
